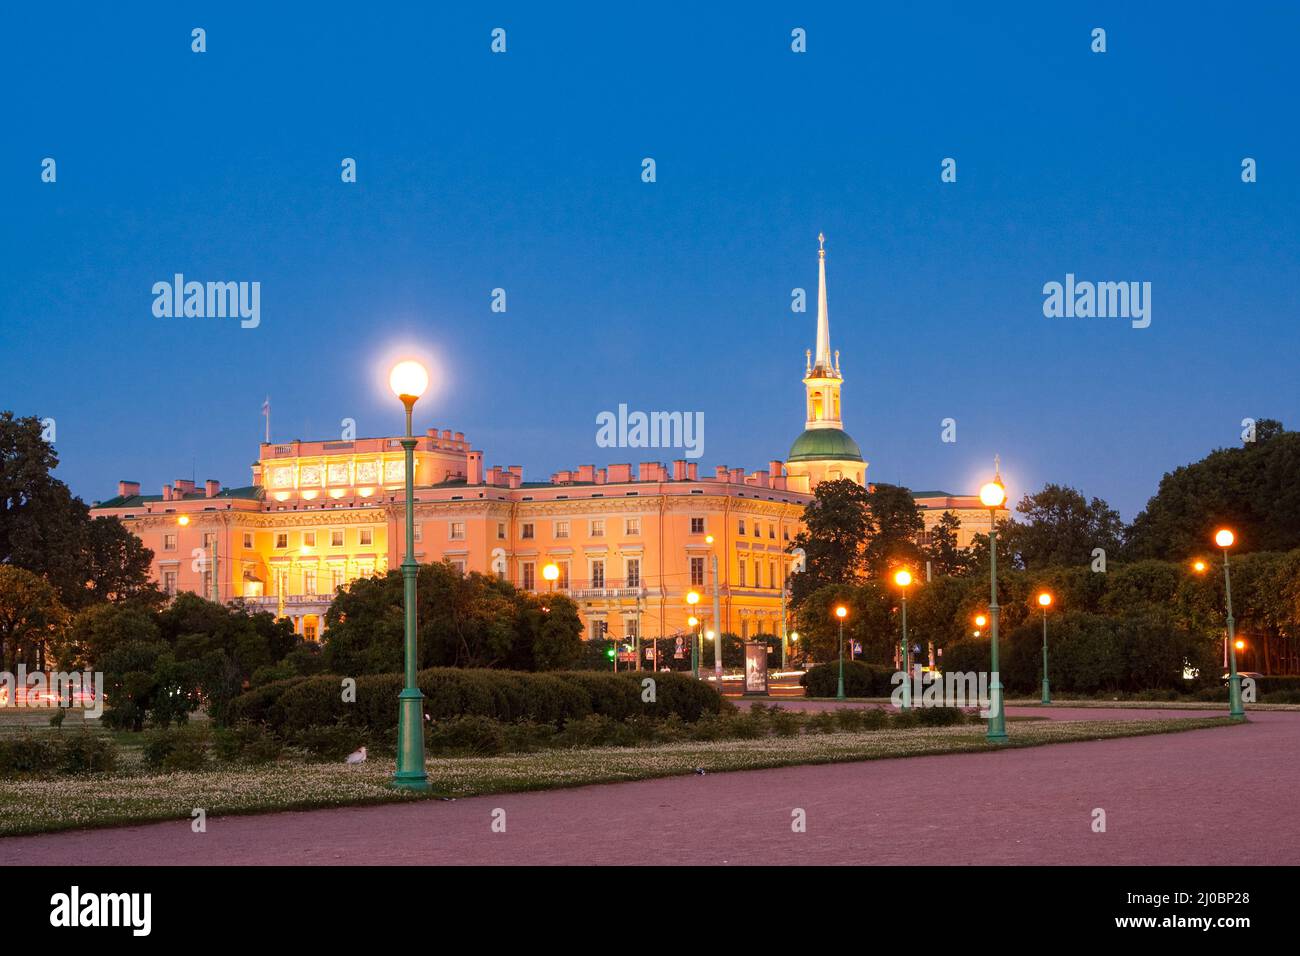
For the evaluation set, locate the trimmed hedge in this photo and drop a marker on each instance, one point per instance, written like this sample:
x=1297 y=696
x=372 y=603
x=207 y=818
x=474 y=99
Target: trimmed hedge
x=860 y=680
x=553 y=698
x=83 y=752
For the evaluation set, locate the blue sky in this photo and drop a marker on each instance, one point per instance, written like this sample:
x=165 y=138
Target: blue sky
x=522 y=171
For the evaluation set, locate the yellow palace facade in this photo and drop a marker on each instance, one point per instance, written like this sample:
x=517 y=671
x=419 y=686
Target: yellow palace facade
x=630 y=540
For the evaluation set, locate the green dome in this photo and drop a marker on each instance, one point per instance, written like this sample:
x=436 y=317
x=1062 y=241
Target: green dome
x=821 y=444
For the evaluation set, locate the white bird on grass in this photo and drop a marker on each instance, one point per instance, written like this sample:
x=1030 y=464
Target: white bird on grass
x=357 y=756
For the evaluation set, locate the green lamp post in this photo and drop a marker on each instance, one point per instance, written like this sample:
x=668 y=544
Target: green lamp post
x=903 y=578
x=841 y=612
x=696 y=626
x=1045 y=601
x=1224 y=538
x=992 y=495
x=408 y=381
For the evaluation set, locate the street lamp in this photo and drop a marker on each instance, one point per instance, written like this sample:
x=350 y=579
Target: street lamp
x=1045 y=601
x=794 y=639
x=408 y=380
x=692 y=599
x=903 y=578
x=1224 y=538
x=551 y=572
x=841 y=612
x=992 y=495
x=1198 y=566
x=717 y=615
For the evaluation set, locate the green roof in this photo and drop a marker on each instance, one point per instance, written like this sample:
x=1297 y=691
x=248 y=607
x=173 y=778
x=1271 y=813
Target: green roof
x=249 y=492
x=824 y=444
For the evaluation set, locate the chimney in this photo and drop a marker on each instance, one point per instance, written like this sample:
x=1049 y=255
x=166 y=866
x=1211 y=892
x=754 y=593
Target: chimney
x=459 y=436
x=649 y=471
x=738 y=476
x=587 y=473
x=560 y=478
x=514 y=480
x=692 y=471
x=679 y=469
x=618 y=474
x=600 y=476
x=776 y=467
x=494 y=475
x=475 y=463
x=778 y=482
x=516 y=470
x=183 y=487
x=126 y=489
x=167 y=492
x=446 y=434
x=211 y=487
x=720 y=472
x=760 y=479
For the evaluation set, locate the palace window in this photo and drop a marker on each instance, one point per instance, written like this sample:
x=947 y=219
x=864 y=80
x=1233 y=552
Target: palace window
x=771 y=531
x=741 y=569
x=597 y=574
x=758 y=530
x=209 y=539
x=281 y=539
x=336 y=578
x=169 y=542
x=459 y=565
x=631 y=628
x=336 y=539
x=308 y=582
x=309 y=539
x=248 y=540
x=458 y=531
x=697 y=572
x=598 y=630
x=169 y=583
x=634 y=572
x=563 y=582
x=419 y=532
x=526 y=530
x=697 y=526
x=367 y=536
x=561 y=529
x=501 y=530
x=740 y=526
x=598 y=527
x=632 y=527
x=528 y=570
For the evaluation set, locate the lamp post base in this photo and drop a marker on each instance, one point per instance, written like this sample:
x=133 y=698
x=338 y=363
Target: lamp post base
x=1234 y=697
x=997 y=732
x=1047 y=692
x=410 y=773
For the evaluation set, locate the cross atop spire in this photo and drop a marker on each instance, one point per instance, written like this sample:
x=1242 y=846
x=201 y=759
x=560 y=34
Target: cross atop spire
x=821 y=242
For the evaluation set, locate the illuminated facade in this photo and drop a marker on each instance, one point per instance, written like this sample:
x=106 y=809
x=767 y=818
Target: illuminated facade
x=630 y=543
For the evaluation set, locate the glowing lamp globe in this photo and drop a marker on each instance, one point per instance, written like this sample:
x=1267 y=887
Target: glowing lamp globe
x=903 y=578
x=693 y=598
x=980 y=620
x=550 y=572
x=841 y=611
x=408 y=379
x=1241 y=645
x=1224 y=538
x=183 y=520
x=794 y=636
x=1044 y=599
x=1198 y=567
x=993 y=494
x=692 y=620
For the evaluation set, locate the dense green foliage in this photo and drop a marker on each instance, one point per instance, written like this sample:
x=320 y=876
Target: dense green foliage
x=463 y=620
x=860 y=680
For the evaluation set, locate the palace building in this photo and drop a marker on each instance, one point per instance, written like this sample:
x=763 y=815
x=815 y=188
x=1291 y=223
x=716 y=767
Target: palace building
x=629 y=542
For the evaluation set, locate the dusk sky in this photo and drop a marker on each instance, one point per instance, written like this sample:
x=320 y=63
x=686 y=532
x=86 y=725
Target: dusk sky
x=522 y=171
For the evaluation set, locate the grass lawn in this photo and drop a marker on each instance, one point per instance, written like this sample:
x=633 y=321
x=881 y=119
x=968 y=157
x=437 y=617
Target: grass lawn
x=132 y=794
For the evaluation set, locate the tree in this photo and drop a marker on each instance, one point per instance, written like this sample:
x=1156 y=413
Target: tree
x=895 y=522
x=30 y=618
x=463 y=620
x=1061 y=527
x=44 y=529
x=942 y=551
x=1254 y=489
x=836 y=525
